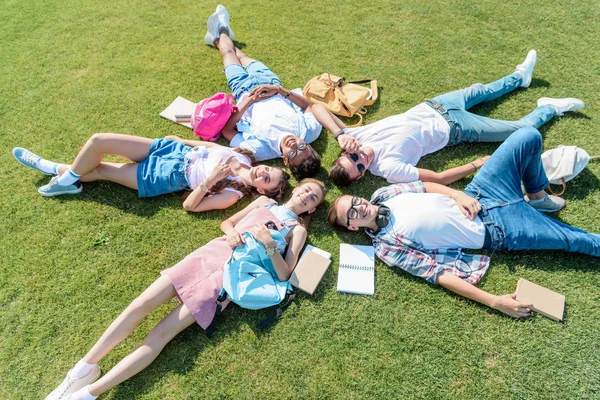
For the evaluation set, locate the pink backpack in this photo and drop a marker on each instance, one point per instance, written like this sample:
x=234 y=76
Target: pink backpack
x=211 y=115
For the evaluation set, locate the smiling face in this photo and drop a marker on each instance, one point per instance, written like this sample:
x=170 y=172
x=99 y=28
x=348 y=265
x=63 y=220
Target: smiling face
x=307 y=196
x=355 y=164
x=295 y=150
x=354 y=212
x=265 y=178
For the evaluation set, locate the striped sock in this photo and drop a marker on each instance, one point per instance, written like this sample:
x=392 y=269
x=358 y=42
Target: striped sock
x=68 y=178
x=47 y=166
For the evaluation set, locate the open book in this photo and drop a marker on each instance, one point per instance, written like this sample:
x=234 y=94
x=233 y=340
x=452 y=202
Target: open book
x=310 y=269
x=544 y=301
x=357 y=269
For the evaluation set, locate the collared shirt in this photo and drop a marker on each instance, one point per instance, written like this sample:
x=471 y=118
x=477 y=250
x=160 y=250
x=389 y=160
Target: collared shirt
x=267 y=122
x=397 y=250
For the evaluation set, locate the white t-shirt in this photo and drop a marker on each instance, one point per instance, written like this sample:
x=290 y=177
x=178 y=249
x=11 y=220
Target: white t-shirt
x=265 y=123
x=400 y=141
x=434 y=221
x=204 y=160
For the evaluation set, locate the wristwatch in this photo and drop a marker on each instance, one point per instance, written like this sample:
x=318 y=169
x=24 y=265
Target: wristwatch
x=270 y=251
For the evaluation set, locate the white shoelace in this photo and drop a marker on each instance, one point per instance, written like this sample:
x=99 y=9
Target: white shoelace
x=30 y=157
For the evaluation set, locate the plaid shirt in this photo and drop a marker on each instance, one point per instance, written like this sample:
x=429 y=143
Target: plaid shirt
x=397 y=250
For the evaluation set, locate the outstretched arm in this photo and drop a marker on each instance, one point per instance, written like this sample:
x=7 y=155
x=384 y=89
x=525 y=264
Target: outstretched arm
x=192 y=143
x=334 y=125
x=505 y=304
x=453 y=174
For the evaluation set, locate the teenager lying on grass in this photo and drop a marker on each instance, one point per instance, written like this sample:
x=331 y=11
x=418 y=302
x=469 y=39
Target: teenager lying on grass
x=392 y=147
x=196 y=281
x=421 y=226
x=271 y=121
x=218 y=176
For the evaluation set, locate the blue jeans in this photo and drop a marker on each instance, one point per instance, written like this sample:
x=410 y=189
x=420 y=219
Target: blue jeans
x=512 y=223
x=475 y=128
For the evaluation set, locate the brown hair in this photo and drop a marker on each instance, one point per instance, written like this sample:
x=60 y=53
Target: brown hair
x=305 y=218
x=309 y=167
x=332 y=214
x=338 y=174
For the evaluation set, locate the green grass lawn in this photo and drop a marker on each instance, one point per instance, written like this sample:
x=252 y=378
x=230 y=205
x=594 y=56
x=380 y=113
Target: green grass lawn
x=70 y=265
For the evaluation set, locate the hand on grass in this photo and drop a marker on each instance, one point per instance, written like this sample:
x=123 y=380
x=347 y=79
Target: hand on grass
x=511 y=307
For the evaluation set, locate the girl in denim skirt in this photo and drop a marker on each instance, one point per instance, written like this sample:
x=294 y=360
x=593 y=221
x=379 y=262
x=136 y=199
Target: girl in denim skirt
x=217 y=176
x=196 y=281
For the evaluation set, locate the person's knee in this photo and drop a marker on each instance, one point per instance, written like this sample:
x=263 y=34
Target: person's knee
x=97 y=140
x=227 y=51
x=141 y=306
x=159 y=336
x=529 y=134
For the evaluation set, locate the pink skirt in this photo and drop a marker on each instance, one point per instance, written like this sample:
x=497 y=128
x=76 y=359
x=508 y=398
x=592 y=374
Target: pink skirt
x=198 y=278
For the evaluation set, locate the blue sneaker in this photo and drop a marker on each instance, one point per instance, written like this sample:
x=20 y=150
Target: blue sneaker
x=54 y=189
x=28 y=159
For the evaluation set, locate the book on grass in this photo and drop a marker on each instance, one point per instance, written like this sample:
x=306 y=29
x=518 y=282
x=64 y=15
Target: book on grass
x=179 y=110
x=544 y=301
x=310 y=269
x=357 y=269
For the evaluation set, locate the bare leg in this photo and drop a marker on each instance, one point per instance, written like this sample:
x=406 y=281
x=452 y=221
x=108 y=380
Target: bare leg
x=227 y=49
x=157 y=293
x=140 y=358
x=123 y=174
x=243 y=57
x=133 y=148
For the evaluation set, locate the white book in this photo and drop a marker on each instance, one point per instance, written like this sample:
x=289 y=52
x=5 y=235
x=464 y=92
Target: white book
x=357 y=269
x=179 y=106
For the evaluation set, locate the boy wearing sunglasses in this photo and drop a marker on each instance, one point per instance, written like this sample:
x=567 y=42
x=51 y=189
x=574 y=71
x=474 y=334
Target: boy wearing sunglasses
x=422 y=227
x=392 y=147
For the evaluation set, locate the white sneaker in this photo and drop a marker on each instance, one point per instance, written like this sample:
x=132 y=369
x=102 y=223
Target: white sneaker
x=526 y=68
x=562 y=106
x=212 y=31
x=71 y=385
x=224 y=20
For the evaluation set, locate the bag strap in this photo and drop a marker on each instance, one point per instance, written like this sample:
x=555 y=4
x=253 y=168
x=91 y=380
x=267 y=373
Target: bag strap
x=564 y=186
x=213 y=324
x=359 y=123
x=267 y=321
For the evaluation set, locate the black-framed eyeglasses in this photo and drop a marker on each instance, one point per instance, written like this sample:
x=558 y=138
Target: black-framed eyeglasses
x=353 y=212
x=294 y=152
x=354 y=158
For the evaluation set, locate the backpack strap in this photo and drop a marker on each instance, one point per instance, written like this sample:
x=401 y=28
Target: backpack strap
x=374 y=91
x=213 y=324
x=564 y=186
x=267 y=321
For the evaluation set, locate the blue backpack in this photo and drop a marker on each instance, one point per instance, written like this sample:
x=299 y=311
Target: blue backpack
x=250 y=280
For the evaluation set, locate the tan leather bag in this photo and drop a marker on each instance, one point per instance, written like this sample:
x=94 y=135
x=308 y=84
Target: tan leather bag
x=340 y=97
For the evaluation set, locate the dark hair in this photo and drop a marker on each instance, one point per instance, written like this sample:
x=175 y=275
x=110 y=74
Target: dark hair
x=309 y=167
x=332 y=214
x=338 y=175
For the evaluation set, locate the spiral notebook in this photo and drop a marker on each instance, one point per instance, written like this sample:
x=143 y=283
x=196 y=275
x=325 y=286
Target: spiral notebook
x=357 y=269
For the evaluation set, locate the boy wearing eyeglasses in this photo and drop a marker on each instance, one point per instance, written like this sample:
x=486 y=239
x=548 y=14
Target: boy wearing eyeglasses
x=392 y=147
x=422 y=227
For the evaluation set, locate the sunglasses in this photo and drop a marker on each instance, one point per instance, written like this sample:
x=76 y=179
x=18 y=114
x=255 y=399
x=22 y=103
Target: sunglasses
x=294 y=152
x=354 y=158
x=353 y=212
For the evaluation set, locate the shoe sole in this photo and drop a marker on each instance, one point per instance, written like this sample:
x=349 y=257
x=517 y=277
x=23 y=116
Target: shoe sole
x=28 y=165
x=74 y=191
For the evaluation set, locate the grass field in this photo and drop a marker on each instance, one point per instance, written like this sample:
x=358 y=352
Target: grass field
x=70 y=265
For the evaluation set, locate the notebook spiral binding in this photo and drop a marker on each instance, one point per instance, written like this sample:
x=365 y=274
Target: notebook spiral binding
x=357 y=267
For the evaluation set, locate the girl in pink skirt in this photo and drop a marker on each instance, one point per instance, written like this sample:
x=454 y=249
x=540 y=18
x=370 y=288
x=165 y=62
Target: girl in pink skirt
x=196 y=281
